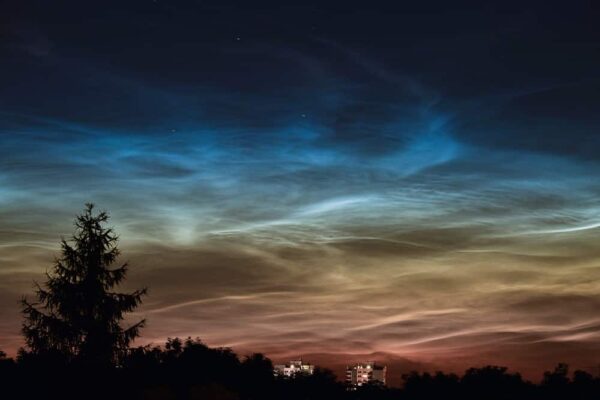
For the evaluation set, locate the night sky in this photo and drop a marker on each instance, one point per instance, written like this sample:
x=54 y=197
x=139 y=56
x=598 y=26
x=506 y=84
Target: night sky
x=411 y=182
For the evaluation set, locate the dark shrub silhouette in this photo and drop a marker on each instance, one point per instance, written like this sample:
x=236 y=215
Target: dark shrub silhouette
x=428 y=386
x=7 y=365
x=322 y=384
x=555 y=384
x=492 y=382
x=256 y=377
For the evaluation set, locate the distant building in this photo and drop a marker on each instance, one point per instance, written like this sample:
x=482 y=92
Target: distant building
x=362 y=373
x=293 y=368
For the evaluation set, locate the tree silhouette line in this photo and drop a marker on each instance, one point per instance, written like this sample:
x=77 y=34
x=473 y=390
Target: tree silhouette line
x=76 y=348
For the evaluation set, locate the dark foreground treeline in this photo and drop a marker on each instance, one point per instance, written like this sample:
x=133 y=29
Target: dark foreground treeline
x=191 y=370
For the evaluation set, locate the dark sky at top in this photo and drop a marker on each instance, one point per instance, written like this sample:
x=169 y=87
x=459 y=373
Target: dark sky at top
x=422 y=173
x=507 y=75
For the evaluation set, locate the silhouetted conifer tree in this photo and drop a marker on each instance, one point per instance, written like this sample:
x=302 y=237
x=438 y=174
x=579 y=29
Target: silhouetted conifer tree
x=77 y=316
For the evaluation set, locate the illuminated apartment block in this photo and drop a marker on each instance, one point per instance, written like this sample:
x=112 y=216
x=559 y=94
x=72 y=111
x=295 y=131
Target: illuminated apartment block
x=362 y=373
x=293 y=368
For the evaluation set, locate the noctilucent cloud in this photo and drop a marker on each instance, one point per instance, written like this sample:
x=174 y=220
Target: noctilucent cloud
x=414 y=183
